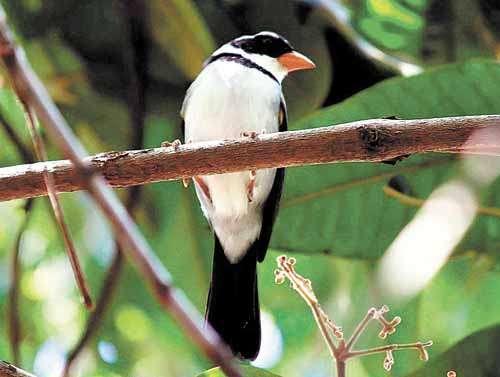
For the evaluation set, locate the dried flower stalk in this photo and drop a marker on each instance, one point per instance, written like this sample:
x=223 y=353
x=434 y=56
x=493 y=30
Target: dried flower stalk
x=341 y=350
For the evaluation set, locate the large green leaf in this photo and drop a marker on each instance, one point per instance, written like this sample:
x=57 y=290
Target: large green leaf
x=248 y=371
x=476 y=355
x=342 y=209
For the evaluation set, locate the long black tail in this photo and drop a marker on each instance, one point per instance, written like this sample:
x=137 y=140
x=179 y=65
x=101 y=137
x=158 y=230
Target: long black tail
x=233 y=302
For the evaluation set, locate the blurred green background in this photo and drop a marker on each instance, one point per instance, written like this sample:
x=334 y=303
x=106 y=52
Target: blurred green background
x=103 y=60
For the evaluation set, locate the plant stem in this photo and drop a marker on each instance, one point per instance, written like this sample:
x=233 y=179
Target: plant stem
x=359 y=330
x=392 y=347
x=341 y=368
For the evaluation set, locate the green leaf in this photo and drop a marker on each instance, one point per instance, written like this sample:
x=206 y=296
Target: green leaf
x=476 y=355
x=341 y=208
x=248 y=371
x=431 y=32
x=181 y=33
x=393 y=24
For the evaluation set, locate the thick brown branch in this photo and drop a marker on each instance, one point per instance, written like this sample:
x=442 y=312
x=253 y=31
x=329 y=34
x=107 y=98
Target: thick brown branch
x=9 y=370
x=364 y=141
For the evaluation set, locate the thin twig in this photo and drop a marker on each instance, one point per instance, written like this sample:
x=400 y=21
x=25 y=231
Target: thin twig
x=304 y=289
x=367 y=180
x=373 y=140
x=136 y=55
x=360 y=328
x=25 y=154
x=109 y=286
x=31 y=91
x=41 y=154
x=421 y=347
x=13 y=308
x=417 y=202
x=13 y=318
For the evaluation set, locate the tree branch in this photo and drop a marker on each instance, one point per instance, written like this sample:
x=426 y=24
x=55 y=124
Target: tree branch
x=363 y=141
x=9 y=370
x=136 y=48
x=31 y=91
x=41 y=154
x=13 y=318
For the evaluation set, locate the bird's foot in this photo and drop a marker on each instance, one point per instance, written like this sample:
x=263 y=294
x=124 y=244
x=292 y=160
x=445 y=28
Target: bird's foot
x=251 y=185
x=176 y=144
x=203 y=186
x=253 y=134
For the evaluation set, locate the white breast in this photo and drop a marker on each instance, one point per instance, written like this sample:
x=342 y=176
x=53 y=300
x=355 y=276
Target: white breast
x=225 y=100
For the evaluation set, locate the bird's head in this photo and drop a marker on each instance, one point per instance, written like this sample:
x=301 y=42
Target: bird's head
x=270 y=51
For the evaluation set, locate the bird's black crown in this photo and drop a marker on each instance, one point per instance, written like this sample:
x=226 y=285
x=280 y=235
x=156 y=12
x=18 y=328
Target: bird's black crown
x=265 y=43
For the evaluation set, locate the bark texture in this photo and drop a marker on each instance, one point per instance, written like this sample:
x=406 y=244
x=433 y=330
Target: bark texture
x=364 y=141
x=9 y=370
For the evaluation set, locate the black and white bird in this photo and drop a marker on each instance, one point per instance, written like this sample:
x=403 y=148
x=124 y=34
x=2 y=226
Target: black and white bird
x=237 y=94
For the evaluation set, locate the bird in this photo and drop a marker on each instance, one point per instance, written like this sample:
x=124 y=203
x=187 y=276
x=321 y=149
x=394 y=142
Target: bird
x=238 y=94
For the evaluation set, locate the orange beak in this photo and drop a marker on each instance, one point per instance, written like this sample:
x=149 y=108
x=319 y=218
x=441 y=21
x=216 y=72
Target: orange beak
x=295 y=61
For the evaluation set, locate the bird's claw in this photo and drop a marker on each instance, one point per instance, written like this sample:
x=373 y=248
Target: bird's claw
x=253 y=134
x=251 y=185
x=175 y=144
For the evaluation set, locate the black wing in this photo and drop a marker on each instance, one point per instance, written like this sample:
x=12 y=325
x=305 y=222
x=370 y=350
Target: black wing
x=270 y=209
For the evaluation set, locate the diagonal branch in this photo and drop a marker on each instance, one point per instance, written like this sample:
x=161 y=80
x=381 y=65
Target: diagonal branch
x=303 y=287
x=41 y=155
x=13 y=318
x=136 y=56
x=374 y=140
x=9 y=370
x=31 y=91
x=417 y=202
